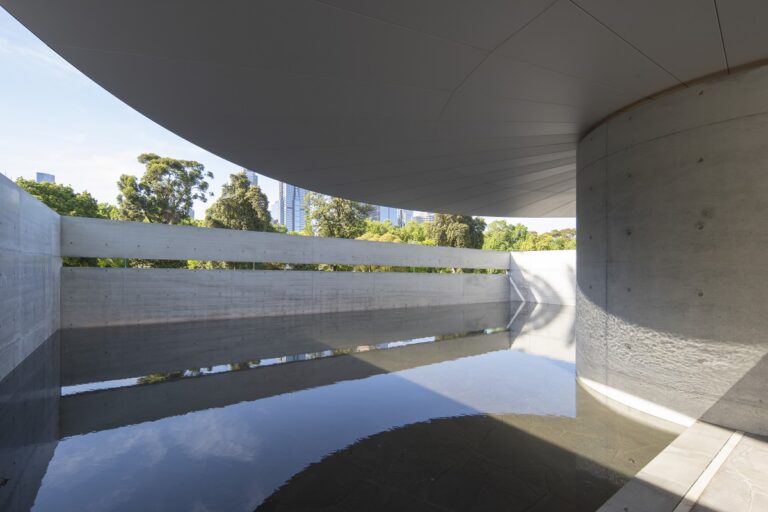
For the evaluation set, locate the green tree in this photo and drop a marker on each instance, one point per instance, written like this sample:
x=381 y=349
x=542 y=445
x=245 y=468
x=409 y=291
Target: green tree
x=377 y=228
x=334 y=217
x=165 y=192
x=415 y=233
x=109 y=211
x=384 y=237
x=457 y=231
x=62 y=198
x=563 y=239
x=501 y=236
x=558 y=239
x=241 y=206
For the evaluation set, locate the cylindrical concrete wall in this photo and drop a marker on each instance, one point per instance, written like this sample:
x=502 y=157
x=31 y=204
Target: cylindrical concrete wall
x=672 y=267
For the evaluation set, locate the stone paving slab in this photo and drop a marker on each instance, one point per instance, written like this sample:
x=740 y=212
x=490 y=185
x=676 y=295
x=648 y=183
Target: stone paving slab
x=706 y=469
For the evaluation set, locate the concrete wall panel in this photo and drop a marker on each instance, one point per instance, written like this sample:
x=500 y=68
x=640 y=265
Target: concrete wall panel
x=114 y=296
x=720 y=99
x=545 y=277
x=116 y=239
x=672 y=300
x=29 y=274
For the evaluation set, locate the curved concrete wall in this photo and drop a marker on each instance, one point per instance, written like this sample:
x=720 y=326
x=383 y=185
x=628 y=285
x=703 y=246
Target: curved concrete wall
x=30 y=266
x=672 y=299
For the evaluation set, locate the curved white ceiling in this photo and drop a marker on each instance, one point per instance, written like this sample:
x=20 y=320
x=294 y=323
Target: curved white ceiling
x=456 y=106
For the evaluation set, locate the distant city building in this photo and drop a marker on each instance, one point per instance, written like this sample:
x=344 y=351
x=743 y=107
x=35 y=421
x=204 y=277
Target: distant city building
x=274 y=212
x=423 y=217
x=292 y=206
x=387 y=213
x=397 y=216
x=44 y=177
x=253 y=178
x=191 y=213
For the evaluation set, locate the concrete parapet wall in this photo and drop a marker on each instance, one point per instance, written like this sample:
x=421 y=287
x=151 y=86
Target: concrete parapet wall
x=100 y=297
x=672 y=202
x=118 y=239
x=114 y=296
x=29 y=274
x=545 y=277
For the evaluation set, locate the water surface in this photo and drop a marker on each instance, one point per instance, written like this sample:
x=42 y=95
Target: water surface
x=451 y=408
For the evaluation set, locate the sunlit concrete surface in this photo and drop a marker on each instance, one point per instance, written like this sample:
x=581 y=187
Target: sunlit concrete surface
x=671 y=268
x=706 y=469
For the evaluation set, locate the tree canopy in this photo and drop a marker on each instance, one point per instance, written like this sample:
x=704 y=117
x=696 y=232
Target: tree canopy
x=501 y=236
x=241 y=206
x=558 y=239
x=166 y=191
x=63 y=199
x=457 y=231
x=384 y=237
x=334 y=217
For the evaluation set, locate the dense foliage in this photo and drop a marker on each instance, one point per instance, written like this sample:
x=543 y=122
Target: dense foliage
x=457 y=231
x=334 y=217
x=501 y=236
x=62 y=199
x=166 y=191
x=241 y=206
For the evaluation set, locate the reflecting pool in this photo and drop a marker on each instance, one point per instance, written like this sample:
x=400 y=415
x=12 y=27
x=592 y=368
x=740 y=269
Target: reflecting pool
x=451 y=408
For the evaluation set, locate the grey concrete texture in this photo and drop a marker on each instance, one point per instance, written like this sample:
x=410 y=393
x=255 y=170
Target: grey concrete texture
x=741 y=483
x=671 y=268
x=661 y=485
x=94 y=297
x=29 y=274
x=544 y=277
x=119 y=239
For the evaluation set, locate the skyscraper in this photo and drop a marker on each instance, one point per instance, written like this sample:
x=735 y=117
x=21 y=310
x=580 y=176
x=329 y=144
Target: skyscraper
x=387 y=213
x=253 y=178
x=275 y=212
x=292 y=206
x=397 y=216
x=423 y=216
x=44 y=177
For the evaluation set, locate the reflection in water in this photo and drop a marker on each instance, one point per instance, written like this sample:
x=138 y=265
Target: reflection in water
x=247 y=365
x=29 y=425
x=469 y=413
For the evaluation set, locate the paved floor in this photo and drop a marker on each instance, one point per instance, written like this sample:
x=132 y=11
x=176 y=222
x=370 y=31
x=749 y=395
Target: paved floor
x=706 y=469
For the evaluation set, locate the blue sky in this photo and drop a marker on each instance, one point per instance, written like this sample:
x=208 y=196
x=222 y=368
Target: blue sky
x=56 y=120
